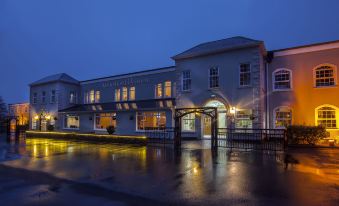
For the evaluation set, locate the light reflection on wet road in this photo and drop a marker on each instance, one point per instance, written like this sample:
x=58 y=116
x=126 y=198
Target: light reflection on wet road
x=193 y=176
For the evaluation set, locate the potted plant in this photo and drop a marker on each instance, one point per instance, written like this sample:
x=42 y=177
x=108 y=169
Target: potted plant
x=110 y=129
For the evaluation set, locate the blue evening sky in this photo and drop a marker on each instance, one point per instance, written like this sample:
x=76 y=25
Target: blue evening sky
x=95 y=38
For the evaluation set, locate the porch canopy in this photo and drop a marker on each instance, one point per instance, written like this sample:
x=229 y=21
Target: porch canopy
x=159 y=104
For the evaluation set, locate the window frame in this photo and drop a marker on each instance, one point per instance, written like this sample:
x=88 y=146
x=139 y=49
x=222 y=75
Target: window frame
x=275 y=116
x=35 y=98
x=52 y=97
x=117 y=93
x=136 y=119
x=209 y=77
x=131 y=91
x=113 y=114
x=239 y=77
x=184 y=79
x=336 y=109
x=68 y=128
x=43 y=97
x=167 y=87
x=290 y=80
x=335 y=75
x=156 y=91
x=189 y=119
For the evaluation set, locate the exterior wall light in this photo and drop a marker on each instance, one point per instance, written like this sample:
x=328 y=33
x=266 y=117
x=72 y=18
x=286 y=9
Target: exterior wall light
x=48 y=117
x=233 y=110
x=36 y=117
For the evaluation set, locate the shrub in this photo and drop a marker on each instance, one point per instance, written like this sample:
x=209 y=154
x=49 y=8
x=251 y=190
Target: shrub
x=110 y=129
x=50 y=127
x=300 y=134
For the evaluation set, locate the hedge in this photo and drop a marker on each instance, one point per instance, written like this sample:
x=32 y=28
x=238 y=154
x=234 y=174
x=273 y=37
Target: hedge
x=301 y=134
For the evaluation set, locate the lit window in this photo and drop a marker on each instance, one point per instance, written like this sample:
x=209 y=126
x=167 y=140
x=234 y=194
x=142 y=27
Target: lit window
x=53 y=97
x=282 y=79
x=327 y=117
x=214 y=77
x=186 y=81
x=325 y=75
x=283 y=117
x=151 y=120
x=188 y=123
x=245 y=75
x=158 y=90
x=71 y=122
x=124 y=94
x=117 y=95
x=97 y=96
x=43 y=97
x=72 y=97
x=132 y=93
x=168 y=89
x=243 y=118
x=35 y=98
x=103 y=120
x=91 y=96
x=134 y=106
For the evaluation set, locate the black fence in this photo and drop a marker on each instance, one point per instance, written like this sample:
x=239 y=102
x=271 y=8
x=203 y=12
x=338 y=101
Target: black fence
x=252 y=139
x=164 y=135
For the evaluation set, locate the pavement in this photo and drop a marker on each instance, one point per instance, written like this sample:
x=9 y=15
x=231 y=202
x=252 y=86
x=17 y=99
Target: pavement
x=39 y=171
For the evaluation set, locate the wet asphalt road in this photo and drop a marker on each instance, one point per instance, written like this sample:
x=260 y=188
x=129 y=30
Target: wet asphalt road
x=56 y=172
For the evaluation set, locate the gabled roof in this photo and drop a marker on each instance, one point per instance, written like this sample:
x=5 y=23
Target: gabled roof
x=218 y=46
x=62 y=77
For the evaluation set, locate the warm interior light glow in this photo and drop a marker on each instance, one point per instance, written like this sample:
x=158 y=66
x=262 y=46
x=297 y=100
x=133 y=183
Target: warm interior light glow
x=232 y=110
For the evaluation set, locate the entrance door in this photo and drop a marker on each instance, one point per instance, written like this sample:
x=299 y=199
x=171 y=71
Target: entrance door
x=206 y=126
x=43 y=125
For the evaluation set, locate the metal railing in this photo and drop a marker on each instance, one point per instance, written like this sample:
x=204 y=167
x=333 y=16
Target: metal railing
x=164 y=135
x=252 y=139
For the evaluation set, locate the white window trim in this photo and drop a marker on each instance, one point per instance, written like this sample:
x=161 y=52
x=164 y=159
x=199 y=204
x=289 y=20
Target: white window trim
x=239 y=72
x=182 y=81
x=275 y=117
x=136 y=121
x=66 y=128
x=209 y=77
x=94 y=122
x=336 y=115
x=335 y=73
x=273 y=80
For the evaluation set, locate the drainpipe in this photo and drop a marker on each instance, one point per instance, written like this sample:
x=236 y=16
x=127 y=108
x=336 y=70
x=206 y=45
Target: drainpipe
x=267 y=98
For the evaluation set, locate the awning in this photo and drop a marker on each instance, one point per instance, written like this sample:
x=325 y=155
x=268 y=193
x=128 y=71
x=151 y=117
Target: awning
x=122 y=106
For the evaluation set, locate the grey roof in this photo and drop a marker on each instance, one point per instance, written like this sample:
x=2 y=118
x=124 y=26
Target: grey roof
x=62 y=77
x=207 y=48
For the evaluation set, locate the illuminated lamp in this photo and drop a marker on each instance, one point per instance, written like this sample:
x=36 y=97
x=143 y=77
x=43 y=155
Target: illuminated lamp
x=232 y=110
x=36 y=117
x=48 y=117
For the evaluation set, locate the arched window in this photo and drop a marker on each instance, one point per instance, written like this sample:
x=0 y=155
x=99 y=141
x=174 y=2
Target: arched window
x=282 y=117
x=325 y=75
x=282 y=79
x=327 y=116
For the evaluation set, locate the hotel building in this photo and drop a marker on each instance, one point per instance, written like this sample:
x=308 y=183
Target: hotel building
x=250 y=86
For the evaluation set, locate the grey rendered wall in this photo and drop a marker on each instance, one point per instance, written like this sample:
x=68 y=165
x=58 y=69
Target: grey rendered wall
x=229 y=92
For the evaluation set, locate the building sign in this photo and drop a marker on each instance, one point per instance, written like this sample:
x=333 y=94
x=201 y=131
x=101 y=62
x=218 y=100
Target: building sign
x=125 y=82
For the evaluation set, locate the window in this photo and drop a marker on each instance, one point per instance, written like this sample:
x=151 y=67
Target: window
x=283 y=117
x=186 y=81
x=132 y=93
x=71 y=122
x=103 y=120
x=35 y=98
x=168 y=89
x=158 y=90
x=72 y=97
x=214 y=77
x=151 y=120
x=245 y=75
x=243 y=119
x=327 y=117
x=34 y=123
x=97 y=96
x=91 y=96
x=188 y=123
x=53 y=98
x=43 y=97
x=282 y=79
x=117 y=95
x=86 y=97
x=325 y=75
x=124 y=94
